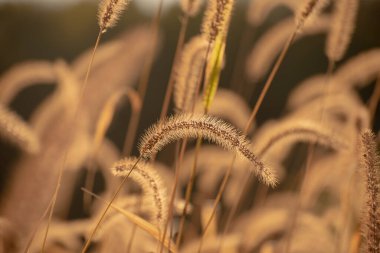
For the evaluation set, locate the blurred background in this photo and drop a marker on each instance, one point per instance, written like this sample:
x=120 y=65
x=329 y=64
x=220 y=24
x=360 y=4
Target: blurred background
x=54 y=29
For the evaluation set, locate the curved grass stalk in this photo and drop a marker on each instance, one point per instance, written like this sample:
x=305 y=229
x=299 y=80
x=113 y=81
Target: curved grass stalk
x=61 y=168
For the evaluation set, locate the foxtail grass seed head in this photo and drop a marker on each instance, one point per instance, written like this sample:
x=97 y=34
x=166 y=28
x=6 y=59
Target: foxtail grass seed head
x=342 y=28
x=151 y=184
x=210 y=128
x=217 y=18
x=190 y=7
x=370 y=162
x=109 y=13
x=307 y=10
x=189 y=72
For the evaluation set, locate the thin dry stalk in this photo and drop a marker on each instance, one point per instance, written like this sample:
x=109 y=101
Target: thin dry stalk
x=304 y=14
x=176 y=180
x=270 y=80
x=310 y=155
x=181 y=150
x=262 y=56
x=103 y=215
x=65 y=155
x=189 y=190
x=109 y=11
x=102 y=125
x=136 y=105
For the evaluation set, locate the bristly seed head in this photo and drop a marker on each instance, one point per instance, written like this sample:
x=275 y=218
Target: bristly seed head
x=217 y=18
x=109 y=13
x=154 y=190
x=188 y=72
x=307 y=10
x=210 y=128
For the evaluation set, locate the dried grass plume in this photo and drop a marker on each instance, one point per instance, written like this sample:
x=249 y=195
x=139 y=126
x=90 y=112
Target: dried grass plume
x=109 y=13
x=188 y=126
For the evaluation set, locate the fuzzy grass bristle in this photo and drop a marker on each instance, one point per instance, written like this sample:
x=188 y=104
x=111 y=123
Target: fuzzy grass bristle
x=190 y=7
x=195 y=126
x=109 y=13
x=217 y=18
x=307 y=10
x=151 y=184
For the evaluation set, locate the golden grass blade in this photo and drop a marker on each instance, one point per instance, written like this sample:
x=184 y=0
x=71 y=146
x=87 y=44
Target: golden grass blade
x=213 y=69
